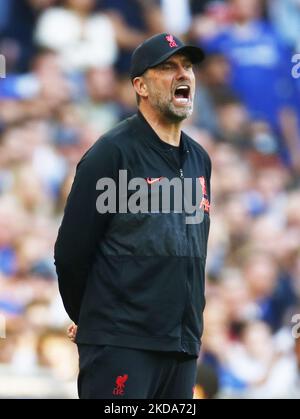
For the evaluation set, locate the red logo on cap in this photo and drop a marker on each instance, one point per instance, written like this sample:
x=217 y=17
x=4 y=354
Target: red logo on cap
x=171 y=40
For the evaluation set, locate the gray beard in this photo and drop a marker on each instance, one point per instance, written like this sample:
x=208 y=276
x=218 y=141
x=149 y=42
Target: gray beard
x=170 y=111
x=177 y=115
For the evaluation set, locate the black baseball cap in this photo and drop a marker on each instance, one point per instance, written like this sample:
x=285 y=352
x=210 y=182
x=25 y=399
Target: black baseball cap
x=159 y=48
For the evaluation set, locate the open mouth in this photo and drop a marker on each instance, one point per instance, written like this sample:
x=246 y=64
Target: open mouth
x=182 y=94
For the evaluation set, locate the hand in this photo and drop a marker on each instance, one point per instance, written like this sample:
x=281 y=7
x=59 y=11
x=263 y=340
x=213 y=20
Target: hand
x=72 y=332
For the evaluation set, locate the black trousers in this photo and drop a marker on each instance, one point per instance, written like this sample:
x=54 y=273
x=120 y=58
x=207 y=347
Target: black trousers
x=110 y=372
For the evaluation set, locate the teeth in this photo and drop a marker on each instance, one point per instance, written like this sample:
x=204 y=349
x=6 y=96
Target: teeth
x=182 y=88
x=182 y=91
x=182 y=100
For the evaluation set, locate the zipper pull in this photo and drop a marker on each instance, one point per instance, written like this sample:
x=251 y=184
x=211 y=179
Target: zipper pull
x=181 y=174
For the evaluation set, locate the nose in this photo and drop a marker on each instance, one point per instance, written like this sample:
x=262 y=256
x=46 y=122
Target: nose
x=183 y=73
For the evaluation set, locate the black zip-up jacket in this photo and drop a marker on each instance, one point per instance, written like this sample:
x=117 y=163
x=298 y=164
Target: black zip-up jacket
x=134 y=280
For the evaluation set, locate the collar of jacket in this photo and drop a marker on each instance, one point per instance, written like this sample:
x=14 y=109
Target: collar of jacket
x=150 y=136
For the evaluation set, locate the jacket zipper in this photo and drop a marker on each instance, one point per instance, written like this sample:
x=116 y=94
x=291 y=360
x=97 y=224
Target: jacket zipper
x=179 y=169
x=181 y=174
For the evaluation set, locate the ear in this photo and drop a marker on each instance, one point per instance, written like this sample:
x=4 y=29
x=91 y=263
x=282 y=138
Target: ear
x=140 y=86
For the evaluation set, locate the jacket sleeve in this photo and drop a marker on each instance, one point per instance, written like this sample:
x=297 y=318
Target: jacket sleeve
x=82 y=226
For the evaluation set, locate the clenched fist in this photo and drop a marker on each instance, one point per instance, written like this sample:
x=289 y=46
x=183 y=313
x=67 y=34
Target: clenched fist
x=72 y=332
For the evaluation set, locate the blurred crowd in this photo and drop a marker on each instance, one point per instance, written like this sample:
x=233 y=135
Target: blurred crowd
x=67 y=83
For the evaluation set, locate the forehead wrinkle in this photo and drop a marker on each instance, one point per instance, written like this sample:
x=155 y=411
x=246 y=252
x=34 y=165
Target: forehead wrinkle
x=171 y=60
x=181 y=56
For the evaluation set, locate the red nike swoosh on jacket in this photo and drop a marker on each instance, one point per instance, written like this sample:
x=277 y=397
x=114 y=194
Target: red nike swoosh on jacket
x=150 y=180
